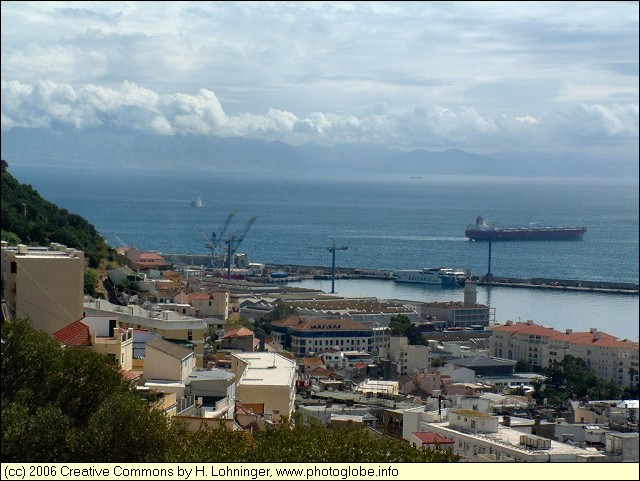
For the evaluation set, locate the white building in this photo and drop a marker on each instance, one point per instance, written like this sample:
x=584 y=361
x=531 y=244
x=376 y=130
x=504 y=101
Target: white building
x=479 y=437
x=265 y=378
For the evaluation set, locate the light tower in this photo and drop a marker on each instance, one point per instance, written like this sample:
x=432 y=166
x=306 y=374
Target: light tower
x=333 y=250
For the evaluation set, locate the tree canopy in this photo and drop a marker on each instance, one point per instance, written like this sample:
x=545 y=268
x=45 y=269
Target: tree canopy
x=401 y=325
x=573 y=377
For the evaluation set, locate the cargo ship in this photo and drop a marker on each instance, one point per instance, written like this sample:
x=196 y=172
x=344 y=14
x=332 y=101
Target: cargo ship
x=432 y=275
x=484 y=231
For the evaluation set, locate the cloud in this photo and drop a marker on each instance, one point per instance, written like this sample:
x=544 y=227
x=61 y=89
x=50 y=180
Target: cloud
x=128 y=105
x=476 y=75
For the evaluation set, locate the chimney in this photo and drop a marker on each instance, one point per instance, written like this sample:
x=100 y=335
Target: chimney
x=593 y=330
x=529 y=322
x=569 y=331
x=509 y=323
x=506 y=420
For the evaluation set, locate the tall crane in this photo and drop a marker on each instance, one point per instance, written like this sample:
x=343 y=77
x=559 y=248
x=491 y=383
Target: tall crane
x=234 y=241
x=216 y=236
x=333 y=250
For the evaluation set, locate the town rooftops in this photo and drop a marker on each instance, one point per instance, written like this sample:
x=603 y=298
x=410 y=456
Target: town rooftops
x=482 y=361
x=238 y=332
x=315 y=324
x=593 y=337
x=470 y=413
x=432 y=438
x=54 y=251
x=169 y=348
x=265 y=368
x=528 y=327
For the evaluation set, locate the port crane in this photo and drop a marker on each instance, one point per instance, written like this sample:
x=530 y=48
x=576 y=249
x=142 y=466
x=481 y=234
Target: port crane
x=233 y=241
x=212 y=243
x=333 y=250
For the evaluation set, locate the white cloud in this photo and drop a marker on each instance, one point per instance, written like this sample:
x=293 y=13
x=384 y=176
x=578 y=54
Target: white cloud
x=475 y=75
x=527 y=119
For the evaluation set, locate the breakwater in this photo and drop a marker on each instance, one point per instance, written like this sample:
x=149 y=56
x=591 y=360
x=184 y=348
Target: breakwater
x=299 y=272
x=323 y=272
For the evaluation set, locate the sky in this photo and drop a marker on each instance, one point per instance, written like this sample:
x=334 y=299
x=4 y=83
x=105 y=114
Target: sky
x=479 y=76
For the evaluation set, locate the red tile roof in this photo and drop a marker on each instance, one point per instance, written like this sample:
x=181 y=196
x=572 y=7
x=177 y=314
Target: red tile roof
x=531 y=329
x=597 y=338
x=75 y=334
x=130 y=375
x=432 y=438
x=308 y=324
x=239 y=332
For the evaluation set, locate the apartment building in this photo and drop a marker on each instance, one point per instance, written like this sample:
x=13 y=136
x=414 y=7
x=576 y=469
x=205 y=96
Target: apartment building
x=479 y=437
x=44 y=284
x=265 y=379
x=313 y=335
x=612 y=359
x=409 y=358
x=191 y=331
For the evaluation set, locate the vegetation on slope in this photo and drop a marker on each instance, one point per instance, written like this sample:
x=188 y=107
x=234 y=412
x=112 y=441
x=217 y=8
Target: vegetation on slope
x=29 y=219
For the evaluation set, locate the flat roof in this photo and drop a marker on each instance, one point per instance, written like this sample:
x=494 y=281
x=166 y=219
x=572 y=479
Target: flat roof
x=511 y=438
x=266 y=368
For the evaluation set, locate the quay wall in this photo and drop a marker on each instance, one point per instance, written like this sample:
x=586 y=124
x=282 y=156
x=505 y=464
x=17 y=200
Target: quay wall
x=308 y=272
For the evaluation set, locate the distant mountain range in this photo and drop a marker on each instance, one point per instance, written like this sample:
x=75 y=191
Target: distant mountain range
x=128 y=149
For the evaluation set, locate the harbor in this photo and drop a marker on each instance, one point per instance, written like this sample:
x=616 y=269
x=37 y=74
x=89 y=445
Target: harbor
x=297 y=273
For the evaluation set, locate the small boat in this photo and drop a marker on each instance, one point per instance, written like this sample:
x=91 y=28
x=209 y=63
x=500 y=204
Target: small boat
x=197 y=201
x=442 y=276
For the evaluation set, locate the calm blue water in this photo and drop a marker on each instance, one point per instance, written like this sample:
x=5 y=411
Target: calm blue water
x=386 y=222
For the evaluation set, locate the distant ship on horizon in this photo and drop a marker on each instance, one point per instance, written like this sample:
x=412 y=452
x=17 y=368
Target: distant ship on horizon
x=484 y=231
x=197 y=201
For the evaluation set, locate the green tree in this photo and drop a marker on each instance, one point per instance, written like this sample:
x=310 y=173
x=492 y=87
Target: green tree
x=573 y=377
x=279 y=312
x=522 y=366
x=401 y=325
x=91 y=279
x=437 y=362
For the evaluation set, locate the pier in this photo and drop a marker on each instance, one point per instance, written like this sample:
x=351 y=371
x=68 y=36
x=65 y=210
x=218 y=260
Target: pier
x=300 y=272
x=320 y=272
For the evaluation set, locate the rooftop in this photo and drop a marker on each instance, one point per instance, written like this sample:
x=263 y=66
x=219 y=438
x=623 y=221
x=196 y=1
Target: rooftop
x=265 y=368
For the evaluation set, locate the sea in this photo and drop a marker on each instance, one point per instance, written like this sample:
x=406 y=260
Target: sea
x=385 y=222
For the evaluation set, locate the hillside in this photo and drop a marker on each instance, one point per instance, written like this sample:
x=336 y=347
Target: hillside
x=29 y=219
x=126 y=149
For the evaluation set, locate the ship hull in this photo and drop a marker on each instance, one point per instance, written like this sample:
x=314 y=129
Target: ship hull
x=567 y=234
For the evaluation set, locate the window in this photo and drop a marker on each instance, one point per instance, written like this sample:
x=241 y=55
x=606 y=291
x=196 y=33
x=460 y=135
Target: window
x=190 y=335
